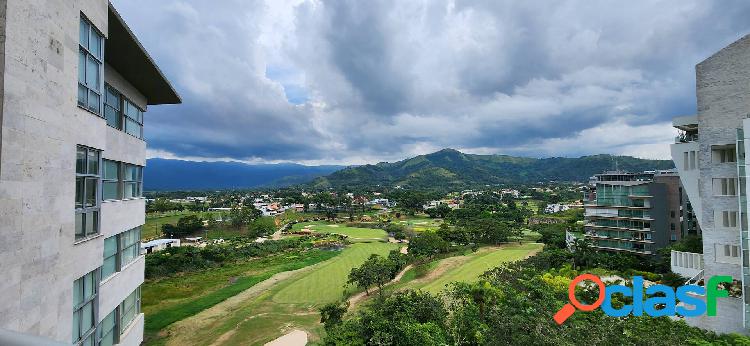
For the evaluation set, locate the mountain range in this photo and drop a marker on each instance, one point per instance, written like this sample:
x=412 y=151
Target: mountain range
x=449 y=168
x=169 y=175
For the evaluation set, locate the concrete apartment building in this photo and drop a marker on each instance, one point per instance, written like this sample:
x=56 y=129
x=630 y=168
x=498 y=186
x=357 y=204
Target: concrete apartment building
x=709 y=154
x=75 y=85
x=633 y=212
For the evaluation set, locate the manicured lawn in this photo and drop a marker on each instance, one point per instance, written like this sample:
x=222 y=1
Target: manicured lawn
x=290 y=304
x=172 y=299
x=421 y=223
x=326 y=284
x=479 y=263
x=353 y=233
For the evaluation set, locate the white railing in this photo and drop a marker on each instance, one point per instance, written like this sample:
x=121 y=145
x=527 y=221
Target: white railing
x=687 y=264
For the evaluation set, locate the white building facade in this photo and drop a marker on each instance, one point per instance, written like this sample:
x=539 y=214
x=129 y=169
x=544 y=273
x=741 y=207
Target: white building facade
x=709 y=154
x=75 y=86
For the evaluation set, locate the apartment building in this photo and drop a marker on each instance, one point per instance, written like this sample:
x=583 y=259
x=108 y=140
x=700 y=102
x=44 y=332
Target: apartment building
x=75 y=86
x=709 y=154
x=633 y=212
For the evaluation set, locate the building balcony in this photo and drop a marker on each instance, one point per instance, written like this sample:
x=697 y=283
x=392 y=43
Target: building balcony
x=631 y=240
x=687 y=264
x=617 y=228
x=617 y=249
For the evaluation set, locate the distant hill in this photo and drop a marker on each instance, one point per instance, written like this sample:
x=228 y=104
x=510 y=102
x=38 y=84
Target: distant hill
x=449 y=168
x=165 y=174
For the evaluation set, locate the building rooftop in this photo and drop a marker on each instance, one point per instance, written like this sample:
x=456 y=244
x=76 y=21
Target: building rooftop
x=126 y=55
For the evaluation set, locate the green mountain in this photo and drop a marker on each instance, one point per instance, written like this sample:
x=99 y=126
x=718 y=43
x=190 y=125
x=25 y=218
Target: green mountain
x=449 y=168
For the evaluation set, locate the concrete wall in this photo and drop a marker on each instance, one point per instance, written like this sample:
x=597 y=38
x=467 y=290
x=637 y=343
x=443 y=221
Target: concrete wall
x=41 y=126
x=723 y=95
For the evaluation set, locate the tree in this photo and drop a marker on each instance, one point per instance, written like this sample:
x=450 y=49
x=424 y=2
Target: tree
x=186 y=225
x=261 y=227
x=439 y=211
x=427 y=244
x=377 y=270
x=331 y=314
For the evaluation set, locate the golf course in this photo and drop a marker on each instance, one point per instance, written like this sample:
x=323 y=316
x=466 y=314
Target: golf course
x=284 y=294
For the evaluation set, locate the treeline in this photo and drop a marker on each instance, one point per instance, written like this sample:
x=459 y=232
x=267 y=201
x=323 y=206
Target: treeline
x=176 y=260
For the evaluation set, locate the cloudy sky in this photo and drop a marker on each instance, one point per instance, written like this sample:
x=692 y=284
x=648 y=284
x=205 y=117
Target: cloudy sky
x=351 y=82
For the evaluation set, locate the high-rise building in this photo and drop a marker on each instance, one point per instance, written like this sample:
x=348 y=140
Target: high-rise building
x=633 y=212
x=709 y=154
x=75 y=85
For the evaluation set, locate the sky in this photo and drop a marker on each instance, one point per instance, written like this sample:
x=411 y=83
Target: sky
x=354 y=82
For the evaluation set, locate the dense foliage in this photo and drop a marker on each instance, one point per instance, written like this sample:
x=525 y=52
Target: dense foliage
x=174 y=260
x=512 y=305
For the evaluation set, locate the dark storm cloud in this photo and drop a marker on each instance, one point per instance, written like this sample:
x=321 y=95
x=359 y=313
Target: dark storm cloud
x=351 y=81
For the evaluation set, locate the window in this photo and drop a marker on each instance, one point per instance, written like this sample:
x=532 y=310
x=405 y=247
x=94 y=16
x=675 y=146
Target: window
x=84 y=307
x=113 y=107
x=133 y=119
x=673 y=237
x=672 y=226
x=672 y=213
x=87 y=199
x=129 y=308
x=133 y=182
x=121 y=180
x=90 y=57
x=111 y=180
x=120 y=250
x=726 y=253
x=729 y=218
x=723 y=154
x=122 y=113
x=130 y=245
x=106 y=333
x=725 y=186
x=111 y=263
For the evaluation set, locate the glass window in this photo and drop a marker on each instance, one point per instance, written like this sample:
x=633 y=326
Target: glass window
x=112 y=105
x=90 y=57
x=133 y=182
x=130 y=245
x=84 y=302
x=110 y=265
x=133 y=119
x=129 y=308
x=86 y=194
x=106 y=332
x=120 y=250
x=111 y=180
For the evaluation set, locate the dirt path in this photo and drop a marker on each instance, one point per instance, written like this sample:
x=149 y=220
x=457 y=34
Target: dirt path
x=181 y=331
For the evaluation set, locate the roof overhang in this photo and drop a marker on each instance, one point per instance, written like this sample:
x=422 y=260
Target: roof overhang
x=126 y=55
x=686 y=123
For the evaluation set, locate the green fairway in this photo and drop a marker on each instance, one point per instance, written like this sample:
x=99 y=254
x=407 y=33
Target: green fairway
x=326 y=284
x=353 y=233
x=292 y=303
x=478 y=263
x=421 y=223
x=171 y=299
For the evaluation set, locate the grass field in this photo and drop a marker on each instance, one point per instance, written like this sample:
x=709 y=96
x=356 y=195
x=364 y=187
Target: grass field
x=421 y=223
x=468 y=268
x=353 y=233
x=152 y=228
x=290 y=304
x=326 y=284
x=168 y=300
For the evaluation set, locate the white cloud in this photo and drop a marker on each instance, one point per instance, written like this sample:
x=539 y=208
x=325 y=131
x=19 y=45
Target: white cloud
x=318 y=81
